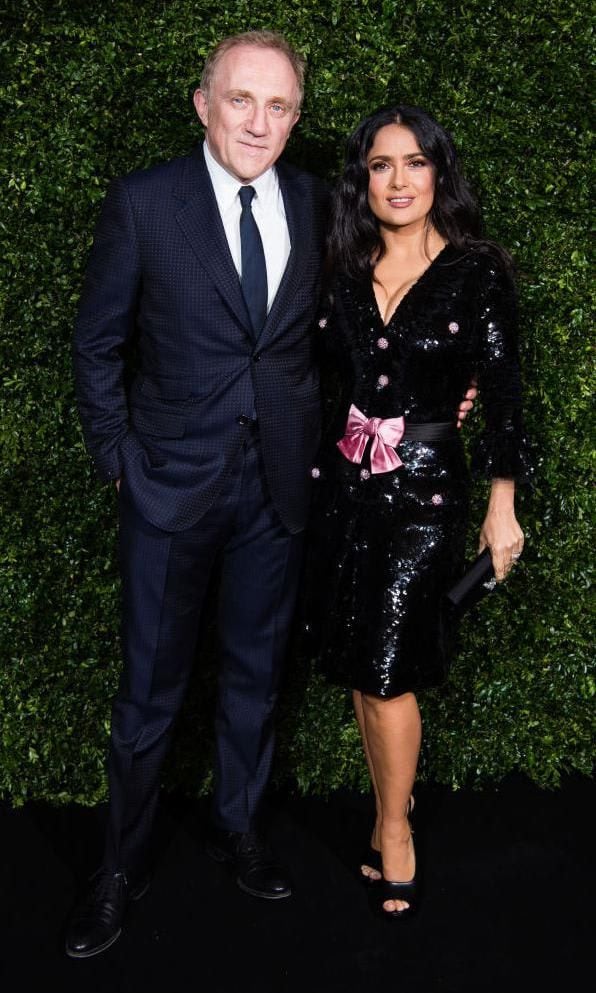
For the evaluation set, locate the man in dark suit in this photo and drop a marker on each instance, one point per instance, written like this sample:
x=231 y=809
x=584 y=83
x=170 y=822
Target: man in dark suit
x=212 y=263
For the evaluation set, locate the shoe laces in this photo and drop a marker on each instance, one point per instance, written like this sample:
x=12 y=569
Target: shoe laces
x=251 y=845
x=107 y=885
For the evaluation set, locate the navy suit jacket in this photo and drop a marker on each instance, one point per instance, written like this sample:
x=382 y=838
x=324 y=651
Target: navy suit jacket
x=160 y=273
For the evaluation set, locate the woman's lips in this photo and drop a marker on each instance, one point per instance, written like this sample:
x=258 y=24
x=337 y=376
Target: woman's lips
x=400 y=202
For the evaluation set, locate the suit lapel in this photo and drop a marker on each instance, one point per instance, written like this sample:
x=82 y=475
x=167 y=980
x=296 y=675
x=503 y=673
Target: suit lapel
x=198 y=217
x=298 y=208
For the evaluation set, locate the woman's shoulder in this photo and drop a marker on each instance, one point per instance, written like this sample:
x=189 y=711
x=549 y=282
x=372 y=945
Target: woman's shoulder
x=480 y=269
x=482 y=258
x=349 y=291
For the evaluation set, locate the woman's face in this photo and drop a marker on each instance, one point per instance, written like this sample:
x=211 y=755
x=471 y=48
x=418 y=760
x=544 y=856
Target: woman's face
x=401 y=184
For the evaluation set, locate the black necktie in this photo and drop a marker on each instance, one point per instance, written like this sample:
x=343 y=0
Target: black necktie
x=254 y=270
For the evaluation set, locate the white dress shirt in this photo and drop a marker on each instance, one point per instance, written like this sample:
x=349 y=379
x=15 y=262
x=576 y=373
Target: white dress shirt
x=268 y=212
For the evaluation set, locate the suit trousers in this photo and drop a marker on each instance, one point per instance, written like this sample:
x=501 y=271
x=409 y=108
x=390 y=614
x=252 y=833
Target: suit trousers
x=164 y=580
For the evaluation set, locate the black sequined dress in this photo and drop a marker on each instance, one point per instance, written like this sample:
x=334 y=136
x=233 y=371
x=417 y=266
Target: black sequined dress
x=384 y=547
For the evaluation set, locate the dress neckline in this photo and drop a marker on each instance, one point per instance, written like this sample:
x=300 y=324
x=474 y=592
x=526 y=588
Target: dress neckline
x=408 y=291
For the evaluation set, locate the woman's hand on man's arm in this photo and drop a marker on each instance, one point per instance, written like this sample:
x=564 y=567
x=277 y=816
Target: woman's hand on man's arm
x=467 y=403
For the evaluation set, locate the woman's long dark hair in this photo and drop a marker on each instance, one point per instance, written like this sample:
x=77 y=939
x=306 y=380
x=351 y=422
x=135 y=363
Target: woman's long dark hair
x=355 y=240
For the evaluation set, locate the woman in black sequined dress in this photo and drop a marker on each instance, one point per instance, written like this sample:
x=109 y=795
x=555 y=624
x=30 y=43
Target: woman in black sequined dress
x=421 y=306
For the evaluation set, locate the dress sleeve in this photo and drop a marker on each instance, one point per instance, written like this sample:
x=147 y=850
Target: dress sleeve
x=329 y=346
x=502 y=449
x=332 y=356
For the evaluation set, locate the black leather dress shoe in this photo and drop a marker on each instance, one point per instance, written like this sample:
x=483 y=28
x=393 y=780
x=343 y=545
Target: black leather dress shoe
x=256 y=868
x=97 y=921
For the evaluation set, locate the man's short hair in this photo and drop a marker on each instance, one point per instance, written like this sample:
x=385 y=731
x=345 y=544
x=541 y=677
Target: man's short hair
x=258 y=39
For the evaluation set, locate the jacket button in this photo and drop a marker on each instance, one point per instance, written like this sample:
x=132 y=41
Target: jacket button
x=256 y=357
x=243 y=419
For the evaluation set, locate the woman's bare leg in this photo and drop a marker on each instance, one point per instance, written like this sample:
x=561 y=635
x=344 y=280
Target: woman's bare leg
x=375 y=841
x=392 y=734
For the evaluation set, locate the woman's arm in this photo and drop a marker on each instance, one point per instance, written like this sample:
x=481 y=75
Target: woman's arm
x=500 y=530
x=501 y=453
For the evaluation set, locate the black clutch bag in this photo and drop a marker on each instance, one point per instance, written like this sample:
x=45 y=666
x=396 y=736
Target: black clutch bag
x=477 y=581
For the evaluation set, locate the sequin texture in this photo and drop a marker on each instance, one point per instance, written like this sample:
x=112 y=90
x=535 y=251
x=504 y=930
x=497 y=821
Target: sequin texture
x=382 y=554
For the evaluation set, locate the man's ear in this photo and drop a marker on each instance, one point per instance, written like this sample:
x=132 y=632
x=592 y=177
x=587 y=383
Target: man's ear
x=200 y=103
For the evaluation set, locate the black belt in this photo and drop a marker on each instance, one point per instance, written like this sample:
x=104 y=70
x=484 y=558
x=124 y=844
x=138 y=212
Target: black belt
x=435 y=431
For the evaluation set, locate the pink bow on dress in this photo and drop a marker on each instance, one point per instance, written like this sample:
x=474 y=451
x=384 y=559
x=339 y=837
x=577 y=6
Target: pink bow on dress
x=386 y=436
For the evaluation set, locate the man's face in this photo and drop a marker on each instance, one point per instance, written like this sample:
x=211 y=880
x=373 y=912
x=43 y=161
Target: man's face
x=250 y=109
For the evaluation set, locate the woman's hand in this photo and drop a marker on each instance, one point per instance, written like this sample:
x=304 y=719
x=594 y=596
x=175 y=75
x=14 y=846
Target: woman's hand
x=500 y=530
x=467 y=403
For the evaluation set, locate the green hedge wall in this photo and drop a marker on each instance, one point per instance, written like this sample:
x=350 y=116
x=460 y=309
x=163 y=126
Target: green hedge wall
x=92 y=90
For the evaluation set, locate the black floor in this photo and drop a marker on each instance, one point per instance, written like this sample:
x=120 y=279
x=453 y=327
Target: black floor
x=508 y=881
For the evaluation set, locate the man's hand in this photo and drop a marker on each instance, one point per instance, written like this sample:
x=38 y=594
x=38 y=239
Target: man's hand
x=467 y=403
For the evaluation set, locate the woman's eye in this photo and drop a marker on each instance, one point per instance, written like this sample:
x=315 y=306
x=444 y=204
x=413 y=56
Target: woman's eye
x=378 y=166
x=418 y=162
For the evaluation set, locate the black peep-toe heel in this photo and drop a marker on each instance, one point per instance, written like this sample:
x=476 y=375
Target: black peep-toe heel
x=388 y=890
x=372 y=856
